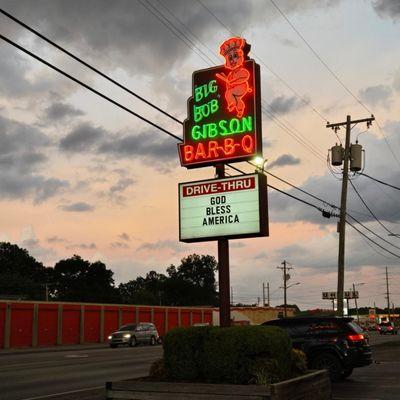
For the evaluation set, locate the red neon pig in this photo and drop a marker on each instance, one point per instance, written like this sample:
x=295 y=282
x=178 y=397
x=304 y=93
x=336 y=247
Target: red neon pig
x=237 y=80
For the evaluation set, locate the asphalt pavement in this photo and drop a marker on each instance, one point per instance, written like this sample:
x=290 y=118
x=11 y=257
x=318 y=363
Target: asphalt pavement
x=379 y=381
x=77 y=374
x=80 y=372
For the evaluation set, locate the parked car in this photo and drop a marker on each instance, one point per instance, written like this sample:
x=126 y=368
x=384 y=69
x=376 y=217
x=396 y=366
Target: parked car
x=332 y=343
x=387 y=328
x=133 y=334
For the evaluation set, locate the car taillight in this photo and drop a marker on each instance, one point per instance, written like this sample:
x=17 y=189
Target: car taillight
x=389 y=328
x=359 y=337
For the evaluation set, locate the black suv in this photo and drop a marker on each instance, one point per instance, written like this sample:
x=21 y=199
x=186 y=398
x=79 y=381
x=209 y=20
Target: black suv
x=332 y=343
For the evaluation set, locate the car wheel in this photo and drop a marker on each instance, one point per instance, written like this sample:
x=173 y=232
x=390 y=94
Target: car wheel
x=133 y=342
x=113 y=346
x=347 y=372
x=329 y=362
x=153 y=341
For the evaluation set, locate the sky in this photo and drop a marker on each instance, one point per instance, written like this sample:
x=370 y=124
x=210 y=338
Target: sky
x=80 y=176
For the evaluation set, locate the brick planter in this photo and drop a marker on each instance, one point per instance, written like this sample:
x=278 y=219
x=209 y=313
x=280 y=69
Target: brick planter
x=315 y=385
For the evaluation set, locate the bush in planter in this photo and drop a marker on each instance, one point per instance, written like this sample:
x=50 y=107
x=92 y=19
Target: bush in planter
x=232 y=354
x=184 y=352
x=227 y=355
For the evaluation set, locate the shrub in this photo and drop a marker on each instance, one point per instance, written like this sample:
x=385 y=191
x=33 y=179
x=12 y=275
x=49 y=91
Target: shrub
x=184 y=352
x=157 y=370
x=299 y=363
x=239 y=354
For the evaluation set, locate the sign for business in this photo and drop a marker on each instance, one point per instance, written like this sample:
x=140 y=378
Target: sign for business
x=234 y=207
x=348 y=294
x=328 y=295
x=224 y=112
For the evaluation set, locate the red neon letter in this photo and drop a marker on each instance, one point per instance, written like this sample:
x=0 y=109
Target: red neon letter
x=188 y=152
x=248 y=144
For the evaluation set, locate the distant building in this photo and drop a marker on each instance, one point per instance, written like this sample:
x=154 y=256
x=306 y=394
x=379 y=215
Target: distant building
x=253 y=315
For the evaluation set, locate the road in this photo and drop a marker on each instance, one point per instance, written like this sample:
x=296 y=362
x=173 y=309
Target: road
x=379 y=381
x=38 y=375
x=80 y=374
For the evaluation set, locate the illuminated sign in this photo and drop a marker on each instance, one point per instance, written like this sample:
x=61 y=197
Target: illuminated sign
x=234 y=207
x=349 y=294
x=224 y=114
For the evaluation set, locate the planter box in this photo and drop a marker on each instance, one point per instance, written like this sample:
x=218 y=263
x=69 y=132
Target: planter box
x=315 y=385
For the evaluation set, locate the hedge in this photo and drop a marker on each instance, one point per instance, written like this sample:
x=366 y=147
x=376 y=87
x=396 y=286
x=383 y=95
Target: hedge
x=239 y=354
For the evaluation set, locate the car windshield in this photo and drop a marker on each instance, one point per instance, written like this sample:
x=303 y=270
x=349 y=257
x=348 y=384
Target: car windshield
x=127 y=328
x=355 y=327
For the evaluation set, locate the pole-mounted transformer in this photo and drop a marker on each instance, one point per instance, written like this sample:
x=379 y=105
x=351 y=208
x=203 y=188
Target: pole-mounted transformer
x=356 y=157
x=337 y=155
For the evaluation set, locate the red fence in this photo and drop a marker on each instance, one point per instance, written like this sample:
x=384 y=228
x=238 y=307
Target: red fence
x=26 y=324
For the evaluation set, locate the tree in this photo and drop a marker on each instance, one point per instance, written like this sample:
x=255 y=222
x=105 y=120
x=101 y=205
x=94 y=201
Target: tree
x=75 y=279
x=191 y=283
x=21 y=276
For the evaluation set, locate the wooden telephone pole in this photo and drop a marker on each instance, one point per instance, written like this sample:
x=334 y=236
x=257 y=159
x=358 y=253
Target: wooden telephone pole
x=343 y=203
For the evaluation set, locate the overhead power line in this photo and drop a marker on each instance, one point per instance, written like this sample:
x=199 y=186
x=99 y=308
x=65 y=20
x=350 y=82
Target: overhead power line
x=86 y=86
x=337 y=78
x=305 y=101
x=371 y=240
x=320 y=58
x=367 y=207
x=76 y=58
x=21 y=48
x=379 y=181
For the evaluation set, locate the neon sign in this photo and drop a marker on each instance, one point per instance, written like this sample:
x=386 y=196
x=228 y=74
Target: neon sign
x=224 y=112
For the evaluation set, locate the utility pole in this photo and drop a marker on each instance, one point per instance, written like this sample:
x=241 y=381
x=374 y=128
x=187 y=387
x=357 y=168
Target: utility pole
x=263 y=294
x=268 y=294
x=285 y=279
x=387 y=294
x=231 y=295
x=355 y=300
x=223 y=270
x=343 y=204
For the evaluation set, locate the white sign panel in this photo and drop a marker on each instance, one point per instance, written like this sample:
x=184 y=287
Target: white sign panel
x=328 y=295
x=232 y=207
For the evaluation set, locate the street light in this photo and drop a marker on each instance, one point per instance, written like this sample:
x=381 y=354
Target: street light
x=355 y=298
x=260 y=163
x=293 y=284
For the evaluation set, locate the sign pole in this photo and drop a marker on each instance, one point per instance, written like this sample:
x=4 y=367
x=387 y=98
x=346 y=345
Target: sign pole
x=223 y=270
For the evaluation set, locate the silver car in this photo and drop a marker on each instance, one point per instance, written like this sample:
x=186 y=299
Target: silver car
x=133 y=334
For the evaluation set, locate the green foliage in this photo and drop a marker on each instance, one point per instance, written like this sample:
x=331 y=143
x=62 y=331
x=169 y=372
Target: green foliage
x=21 y=276
x=76 y=279
x=191 y=283
x=299 y=363
x=184 y=355
x=240 y=354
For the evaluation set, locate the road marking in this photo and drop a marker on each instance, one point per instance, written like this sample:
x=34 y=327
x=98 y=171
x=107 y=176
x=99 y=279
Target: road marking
x=76 y=356
x=62 y=393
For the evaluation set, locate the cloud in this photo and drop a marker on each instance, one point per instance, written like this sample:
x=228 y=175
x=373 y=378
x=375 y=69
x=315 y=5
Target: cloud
x=124 y=236
x=119 y=245
x=83 y=246
x=81 y=138
x=388 y=9
x=384 y=203
x=125 y=33
x=55 y=239
x=16 y=186
x=58 y=111
x=285 y=160
x=377 y=95
x=121 y=185
x=78 y=207
x=284 y=105
x=172 y=245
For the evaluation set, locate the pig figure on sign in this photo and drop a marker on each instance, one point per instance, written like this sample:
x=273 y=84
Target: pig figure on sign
x=237 y=81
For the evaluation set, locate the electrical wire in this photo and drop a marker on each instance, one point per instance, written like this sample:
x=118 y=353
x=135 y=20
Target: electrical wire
x=371 y=240
x=86 y=86
x=320 y=58
x=379 y=181
x=76 y=58
x=334 y=75
x=153 y=124
x=302 y=99
x=369 y=209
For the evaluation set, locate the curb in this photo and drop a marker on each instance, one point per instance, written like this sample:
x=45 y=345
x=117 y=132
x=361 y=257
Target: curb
x=52 y=349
